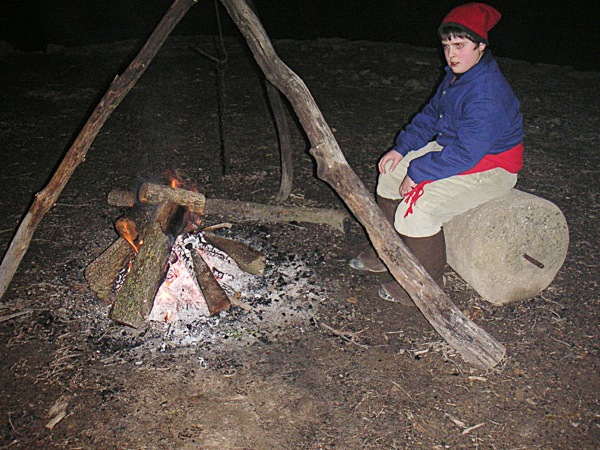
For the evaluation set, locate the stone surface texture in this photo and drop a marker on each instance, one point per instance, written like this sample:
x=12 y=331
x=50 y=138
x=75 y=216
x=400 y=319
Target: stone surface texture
x=487 y=245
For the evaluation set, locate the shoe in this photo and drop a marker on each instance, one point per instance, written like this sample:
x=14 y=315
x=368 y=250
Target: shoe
x=394 y=293
x=368 y=261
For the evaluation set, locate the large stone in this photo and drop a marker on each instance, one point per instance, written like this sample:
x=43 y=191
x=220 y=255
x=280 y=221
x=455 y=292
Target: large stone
x=510 y=248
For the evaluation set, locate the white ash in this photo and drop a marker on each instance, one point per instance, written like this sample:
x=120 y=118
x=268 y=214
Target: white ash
x=286 y=296
x=179 y=298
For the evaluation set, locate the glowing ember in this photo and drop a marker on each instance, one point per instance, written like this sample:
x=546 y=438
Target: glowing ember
x=180 y=298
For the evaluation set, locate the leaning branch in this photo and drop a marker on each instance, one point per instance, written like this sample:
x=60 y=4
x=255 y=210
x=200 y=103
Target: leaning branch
x=119 y=88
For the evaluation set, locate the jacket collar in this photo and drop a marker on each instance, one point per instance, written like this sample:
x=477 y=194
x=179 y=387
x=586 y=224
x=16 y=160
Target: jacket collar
x=484 y=63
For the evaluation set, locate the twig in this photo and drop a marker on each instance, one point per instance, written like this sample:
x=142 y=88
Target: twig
x=562 y=342
x=348 y=337
x=474 y=427
x=82 y=205
x=403 y=390
x=12 y=316
x=235 y=301
x=217 y=226
x=459 y=423
x=207 y=55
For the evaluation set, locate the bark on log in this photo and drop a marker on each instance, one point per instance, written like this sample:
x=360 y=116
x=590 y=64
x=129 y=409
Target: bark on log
x=155 y=193
x=244 y=211
x=76 y=154
x=101 y=274
x=117 y=197
x=214 y=295
x=136 y=297
x=474 y=344
x=247 y=258
x=237 y=210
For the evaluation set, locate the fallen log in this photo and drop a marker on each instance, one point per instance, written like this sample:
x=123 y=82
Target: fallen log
x=118 y=89
x=232 y=209
x=136 y=297
x=244 y=211
x=474 y=344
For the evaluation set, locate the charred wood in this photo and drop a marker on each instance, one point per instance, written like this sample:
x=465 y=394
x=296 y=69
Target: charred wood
x=247 y=258
x=214 y=295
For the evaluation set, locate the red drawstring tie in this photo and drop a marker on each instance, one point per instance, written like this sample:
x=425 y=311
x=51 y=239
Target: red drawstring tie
x=510 y=160
x=414 y=195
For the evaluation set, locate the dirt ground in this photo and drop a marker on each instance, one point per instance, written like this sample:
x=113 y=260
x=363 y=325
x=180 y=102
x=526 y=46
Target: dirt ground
x=278 y=376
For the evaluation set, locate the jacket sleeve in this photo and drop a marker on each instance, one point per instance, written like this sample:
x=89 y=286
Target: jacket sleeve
x=421 y=128
x=481 y=122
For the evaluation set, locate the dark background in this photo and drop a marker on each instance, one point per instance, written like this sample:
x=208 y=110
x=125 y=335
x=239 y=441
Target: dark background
x=564 y=33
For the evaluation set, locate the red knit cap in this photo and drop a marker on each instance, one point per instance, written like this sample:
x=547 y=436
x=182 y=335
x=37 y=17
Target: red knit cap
x=477 y=18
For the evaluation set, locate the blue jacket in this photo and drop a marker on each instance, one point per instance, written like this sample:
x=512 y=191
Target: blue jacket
x=476 y=115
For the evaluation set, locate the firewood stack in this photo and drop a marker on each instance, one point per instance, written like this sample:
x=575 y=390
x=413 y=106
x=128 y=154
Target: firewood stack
x=162 y=266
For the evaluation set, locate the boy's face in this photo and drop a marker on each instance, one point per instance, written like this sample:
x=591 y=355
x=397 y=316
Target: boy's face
x=462 y=54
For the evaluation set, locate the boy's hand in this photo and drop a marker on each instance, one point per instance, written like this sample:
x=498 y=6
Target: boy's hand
x=392 y=156
x=406 y=186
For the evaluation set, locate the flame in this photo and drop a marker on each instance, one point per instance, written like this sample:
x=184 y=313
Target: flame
x=127 y=230
x=175 y=183
x=135 y=245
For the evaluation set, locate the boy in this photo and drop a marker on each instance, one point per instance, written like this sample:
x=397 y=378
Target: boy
x=476 y=125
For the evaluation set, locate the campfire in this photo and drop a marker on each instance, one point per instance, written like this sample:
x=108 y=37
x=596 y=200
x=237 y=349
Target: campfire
x=165 y=266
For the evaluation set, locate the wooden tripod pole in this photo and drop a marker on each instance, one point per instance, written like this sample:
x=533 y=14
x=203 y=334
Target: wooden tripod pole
x=118 y=89
x=474 y=344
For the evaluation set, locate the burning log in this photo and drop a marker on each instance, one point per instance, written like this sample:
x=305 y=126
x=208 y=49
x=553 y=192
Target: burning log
x=127 y=229
x=167 y=281
x=148 y=270
x=102 y=273
x=231 y=209
x=155 y=193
